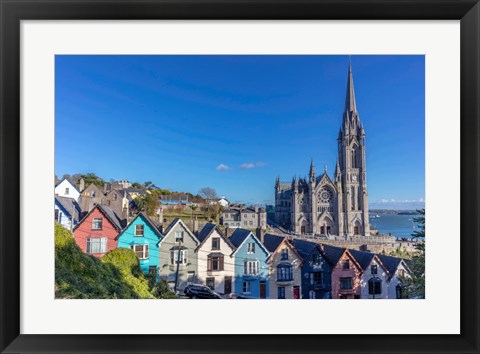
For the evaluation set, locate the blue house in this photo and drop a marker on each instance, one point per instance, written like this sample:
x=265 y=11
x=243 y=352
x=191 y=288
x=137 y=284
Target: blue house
x=142 y=236
x=251 y=267
x=316 y=270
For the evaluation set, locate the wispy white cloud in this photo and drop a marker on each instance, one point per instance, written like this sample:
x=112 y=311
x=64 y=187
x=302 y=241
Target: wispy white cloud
x=249 y=165
x=223 y=167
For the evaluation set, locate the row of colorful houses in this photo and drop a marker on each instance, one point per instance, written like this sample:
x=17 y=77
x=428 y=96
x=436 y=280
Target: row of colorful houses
x=256 y=265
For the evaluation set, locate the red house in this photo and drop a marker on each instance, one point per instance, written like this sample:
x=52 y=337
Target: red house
x=96 y=232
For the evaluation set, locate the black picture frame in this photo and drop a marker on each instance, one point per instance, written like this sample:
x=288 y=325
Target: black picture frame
x=12 y=12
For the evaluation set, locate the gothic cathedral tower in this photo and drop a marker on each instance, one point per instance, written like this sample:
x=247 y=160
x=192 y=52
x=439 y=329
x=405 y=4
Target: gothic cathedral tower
x=350 y=174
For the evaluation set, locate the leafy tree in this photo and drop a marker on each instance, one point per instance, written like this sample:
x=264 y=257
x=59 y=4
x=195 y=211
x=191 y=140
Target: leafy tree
x=415 y=284
x=92 y=178
x=148 y=203
x=137 y=185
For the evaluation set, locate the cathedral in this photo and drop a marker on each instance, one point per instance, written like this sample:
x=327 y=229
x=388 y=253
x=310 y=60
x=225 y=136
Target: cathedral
x=330 y=206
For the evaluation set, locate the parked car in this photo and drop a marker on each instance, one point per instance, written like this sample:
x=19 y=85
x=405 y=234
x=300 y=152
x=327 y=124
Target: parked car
x=195 y=291
x=241 y=296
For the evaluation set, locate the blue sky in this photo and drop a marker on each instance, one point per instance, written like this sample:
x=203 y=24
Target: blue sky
x=234 y=123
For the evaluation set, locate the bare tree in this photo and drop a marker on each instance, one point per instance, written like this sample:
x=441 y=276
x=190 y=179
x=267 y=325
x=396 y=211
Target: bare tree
x=207 y=193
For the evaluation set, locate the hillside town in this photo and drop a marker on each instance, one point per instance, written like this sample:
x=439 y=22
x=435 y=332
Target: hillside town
x=240 y=256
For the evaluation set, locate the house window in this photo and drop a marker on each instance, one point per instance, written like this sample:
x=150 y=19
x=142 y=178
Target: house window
x=114 y=196
x=251 y=267
x=374 y=286
x=67 y=191
x=284 y=255
x=140 y=250
x=246 y=286
x=401 y=273
x=399 y=291
x=93 y=194
x=316 y=278
x=281 y=292
x=178 y=236
x=97 y=223
x=244 y=215
x=373 y=269
x=138 y=230
x=316 y=259
x=215 y=243
x=96 y=245
x=176 y=258
x=251 y=248
x=251 y=223
x=346 y=264
x=215 y=262
x=284 y=272
x=245 y=223
x=345 y=283
x=211 y=283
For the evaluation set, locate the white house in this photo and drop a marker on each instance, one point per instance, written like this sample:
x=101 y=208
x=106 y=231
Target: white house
x=398 y=269
x=216 y=266
x=223 y=202
x=67 y=189
x=375 y=277
x=66 y=211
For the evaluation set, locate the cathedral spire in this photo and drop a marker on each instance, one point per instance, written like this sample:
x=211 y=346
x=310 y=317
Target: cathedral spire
x=312 y=170
x=350 y=104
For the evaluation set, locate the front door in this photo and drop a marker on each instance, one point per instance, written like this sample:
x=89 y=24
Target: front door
x=296 y=292
x=263 y=290
x=228 y=285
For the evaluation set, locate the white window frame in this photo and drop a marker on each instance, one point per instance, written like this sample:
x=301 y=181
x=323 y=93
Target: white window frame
x=246 y=287
x=102 y=245
x=251 y=268
x=145 y=253
x=251 y=248
x=143 y=230
x=93 y=224
x=179 y=235
x=67 y=191
x=174 y=257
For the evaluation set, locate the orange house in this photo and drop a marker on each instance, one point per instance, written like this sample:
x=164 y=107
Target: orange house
x=96 y=233
x=346 y=273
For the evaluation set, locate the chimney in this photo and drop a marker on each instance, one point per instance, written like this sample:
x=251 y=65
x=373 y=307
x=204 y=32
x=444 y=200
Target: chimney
x=260 y=233
x=195 y=226
x=82 y=184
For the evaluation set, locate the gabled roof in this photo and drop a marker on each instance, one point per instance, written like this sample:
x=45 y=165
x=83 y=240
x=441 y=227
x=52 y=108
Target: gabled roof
x=92 y=186
x=363 y=258
x=110 y=214
x=156 y=227
x=391 y=263
x=333 y=253
x=305 y=248
x=69 y=205
x=71 y=183
x=238 y=236
x=174 y=223
x=272 y=242
x=207 y=231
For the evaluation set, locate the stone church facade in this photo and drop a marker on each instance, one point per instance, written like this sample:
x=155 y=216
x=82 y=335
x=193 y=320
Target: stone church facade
x=325 y=205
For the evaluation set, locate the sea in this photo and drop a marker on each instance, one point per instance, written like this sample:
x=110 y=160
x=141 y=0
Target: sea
x=397 y=225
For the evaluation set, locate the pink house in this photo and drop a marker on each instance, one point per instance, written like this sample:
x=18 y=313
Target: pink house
x=346 y=273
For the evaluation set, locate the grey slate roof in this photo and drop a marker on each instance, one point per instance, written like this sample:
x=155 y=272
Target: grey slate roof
x=363 y=258
x=238 y=236
x=112 y=216
x=69 y=204
x=271 y=242
x=205 y=231
x=304 y=248
x=391 y=263
x=333 y=253
x=170 y=227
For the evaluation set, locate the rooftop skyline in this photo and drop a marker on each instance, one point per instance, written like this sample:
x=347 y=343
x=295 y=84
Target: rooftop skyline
x=235 y=123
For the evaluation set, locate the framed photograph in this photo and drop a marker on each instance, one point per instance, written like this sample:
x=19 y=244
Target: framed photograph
x=239 y=176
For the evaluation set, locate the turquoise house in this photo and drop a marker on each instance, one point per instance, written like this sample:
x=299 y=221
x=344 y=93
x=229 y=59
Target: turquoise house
x=142 y=236
x=251 y=267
